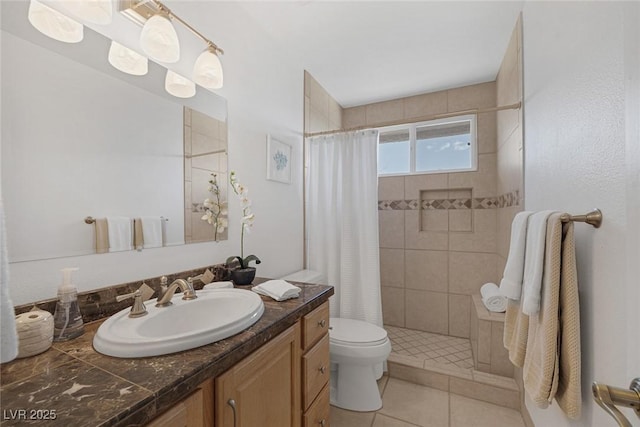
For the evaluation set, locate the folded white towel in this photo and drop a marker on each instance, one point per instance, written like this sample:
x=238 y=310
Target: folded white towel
x=152 y=231
x=534 y=262
x=219 y=285
x=511 y=284
x=120 y=229
x=492 y=298
x=279 y=290
x=8 y=335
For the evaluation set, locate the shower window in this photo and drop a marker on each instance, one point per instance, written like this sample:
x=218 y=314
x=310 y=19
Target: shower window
x=437 y=146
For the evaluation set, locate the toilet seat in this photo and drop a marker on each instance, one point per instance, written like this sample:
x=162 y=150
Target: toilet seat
x=355 y=333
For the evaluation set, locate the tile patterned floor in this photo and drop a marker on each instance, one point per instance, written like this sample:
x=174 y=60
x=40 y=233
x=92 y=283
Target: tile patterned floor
x=431 y=348
x=410 y=405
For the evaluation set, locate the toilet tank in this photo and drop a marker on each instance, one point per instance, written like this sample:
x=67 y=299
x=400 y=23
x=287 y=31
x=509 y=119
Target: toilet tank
x=307 y=276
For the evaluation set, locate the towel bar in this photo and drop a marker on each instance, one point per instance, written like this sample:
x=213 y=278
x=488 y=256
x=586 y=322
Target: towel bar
x=92 y=220
x=594 y=218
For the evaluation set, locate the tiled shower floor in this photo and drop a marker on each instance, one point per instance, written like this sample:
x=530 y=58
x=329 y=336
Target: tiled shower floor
x=446 y=363
x=431 y=349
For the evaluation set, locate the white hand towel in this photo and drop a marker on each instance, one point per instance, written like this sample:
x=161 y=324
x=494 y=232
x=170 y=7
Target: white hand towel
x=152 y=231
x=534 y=262
x=492 y=298
x=219 y=285
x=511 y=284
x=279 y=290
x=120 y=230
x=8 y=334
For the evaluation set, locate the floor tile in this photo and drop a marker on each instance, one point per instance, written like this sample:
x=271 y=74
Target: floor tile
x=344 y=418
x=382 y=383
x=470 y=412
x=384 y=421
x=415 y=404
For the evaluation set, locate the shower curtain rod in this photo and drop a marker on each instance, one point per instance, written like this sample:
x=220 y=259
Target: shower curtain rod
x=515 y=106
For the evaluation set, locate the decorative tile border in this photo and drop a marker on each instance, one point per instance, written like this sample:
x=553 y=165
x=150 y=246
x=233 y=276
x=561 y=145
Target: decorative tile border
x=503 y=201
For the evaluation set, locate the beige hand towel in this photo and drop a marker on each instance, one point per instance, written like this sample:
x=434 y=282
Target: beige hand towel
x=102 y=236
x=516 y=330
x=138 y=236
x=552 y=361
x=569 y=387
x=541 y=359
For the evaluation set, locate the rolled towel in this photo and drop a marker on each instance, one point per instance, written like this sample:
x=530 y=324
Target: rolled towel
x=279 y=290
x=492 y=298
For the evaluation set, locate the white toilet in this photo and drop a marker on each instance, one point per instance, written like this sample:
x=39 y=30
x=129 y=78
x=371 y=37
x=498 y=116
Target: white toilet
x=357 y=352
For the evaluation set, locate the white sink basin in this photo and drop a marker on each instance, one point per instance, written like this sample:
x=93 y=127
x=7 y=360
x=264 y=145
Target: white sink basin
x=216 y=314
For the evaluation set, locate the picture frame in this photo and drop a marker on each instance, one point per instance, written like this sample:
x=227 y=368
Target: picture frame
x=278 y=160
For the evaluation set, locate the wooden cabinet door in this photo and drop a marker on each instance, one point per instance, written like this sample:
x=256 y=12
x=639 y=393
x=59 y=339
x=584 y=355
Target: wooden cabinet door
x=264 y=387
x=193 y=411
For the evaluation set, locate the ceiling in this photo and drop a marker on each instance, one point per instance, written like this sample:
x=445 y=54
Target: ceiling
x=359 y=51
x=363 y=51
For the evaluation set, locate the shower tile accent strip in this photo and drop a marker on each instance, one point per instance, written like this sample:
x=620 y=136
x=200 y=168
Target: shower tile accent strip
x=503 y=201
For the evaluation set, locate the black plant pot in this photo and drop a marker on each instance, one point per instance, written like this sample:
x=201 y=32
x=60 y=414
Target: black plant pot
x=243 y=276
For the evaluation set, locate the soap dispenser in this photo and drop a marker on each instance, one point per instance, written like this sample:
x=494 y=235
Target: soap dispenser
x=67 y=320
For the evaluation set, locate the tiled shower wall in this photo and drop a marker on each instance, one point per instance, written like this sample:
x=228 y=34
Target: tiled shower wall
x=321 y=111
x=202 y=134
x=510 y=141
x=438 y=237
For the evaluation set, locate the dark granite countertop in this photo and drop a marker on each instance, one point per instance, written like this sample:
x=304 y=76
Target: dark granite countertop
x=85 y=388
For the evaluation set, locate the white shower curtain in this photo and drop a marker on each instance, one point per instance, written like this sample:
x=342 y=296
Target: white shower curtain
x=342 y=221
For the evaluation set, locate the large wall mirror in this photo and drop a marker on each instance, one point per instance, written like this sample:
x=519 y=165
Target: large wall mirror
x=80 y=138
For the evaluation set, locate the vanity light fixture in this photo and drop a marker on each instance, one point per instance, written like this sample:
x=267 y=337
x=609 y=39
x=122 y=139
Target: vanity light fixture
x=159 y=39
x=96 y=11
x=207 y=71
x=54 y=24
x=179 y=86
x=127 y=60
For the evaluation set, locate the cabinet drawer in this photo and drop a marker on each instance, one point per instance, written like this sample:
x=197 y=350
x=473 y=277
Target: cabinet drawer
x=315 y=325
x=315 y=371
x=318 y=413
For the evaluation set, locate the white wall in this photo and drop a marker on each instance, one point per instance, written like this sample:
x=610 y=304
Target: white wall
x=575 y=159
x=265 y=95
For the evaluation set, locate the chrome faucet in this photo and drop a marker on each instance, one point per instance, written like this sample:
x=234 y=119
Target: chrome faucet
x=186 y=286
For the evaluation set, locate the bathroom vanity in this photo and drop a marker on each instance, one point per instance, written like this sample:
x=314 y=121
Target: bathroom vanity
x=275 y=373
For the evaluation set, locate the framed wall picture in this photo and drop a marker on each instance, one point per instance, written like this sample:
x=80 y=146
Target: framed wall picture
x=278 y=160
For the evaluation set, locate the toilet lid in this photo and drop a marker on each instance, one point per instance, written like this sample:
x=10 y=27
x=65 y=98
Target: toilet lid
x=355 y=331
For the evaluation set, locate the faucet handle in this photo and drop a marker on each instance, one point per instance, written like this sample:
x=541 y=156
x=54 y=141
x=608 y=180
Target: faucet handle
x=138 y=309
x=164 y=281
x=189 y=293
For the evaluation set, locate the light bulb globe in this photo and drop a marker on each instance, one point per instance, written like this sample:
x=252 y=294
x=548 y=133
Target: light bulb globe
x=159 y=39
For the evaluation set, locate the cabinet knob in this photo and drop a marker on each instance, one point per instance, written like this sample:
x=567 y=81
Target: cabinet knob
x=322 y=423
x=322 y=323
x=322 y=369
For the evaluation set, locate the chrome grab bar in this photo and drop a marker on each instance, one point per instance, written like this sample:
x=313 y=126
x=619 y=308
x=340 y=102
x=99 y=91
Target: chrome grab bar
x=608 y=397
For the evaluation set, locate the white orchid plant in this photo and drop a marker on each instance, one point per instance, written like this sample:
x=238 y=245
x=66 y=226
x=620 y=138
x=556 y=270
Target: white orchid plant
x=215 y=210
x=247 y=221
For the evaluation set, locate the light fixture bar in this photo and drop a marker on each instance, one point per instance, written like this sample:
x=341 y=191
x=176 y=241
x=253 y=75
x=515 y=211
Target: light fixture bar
x=140 y=10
